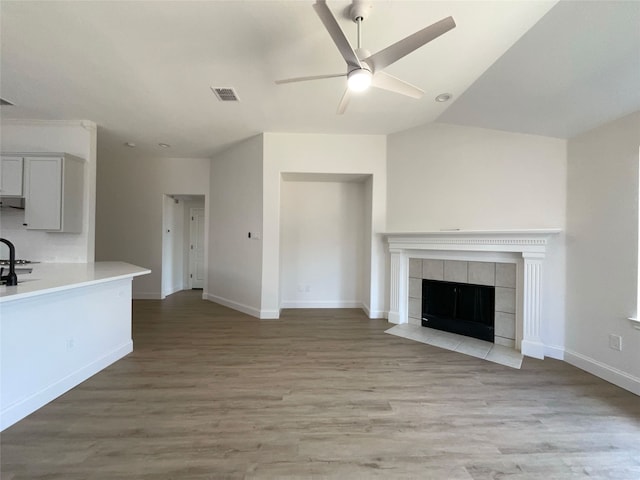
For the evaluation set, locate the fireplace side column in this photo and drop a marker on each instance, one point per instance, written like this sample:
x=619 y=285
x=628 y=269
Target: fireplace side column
x=398 y=293
x=532 y=345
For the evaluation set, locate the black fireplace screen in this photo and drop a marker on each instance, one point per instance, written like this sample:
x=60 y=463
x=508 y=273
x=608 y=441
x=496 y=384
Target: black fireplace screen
x=461 y=308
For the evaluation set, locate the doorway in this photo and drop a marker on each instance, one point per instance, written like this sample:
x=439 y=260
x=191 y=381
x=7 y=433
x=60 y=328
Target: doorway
x=183 y=243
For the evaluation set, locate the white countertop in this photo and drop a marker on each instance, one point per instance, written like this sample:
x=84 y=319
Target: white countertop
x=54 y=277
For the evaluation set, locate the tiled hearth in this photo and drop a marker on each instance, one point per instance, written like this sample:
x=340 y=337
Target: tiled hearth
x=525 y=249
x=458 y=343
x=502 y=276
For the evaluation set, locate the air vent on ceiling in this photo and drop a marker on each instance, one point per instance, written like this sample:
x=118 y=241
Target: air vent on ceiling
x=4 y=102
x=225 y=94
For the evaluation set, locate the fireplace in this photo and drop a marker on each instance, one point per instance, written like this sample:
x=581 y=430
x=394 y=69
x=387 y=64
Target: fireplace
x=524 y=248
x=497 y=279
x=461 y=308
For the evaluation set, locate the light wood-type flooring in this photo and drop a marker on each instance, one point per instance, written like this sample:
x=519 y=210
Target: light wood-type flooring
x=209 y=393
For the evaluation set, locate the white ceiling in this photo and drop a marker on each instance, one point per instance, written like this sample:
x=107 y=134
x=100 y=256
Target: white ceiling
x=578 y=68
x=143 y=70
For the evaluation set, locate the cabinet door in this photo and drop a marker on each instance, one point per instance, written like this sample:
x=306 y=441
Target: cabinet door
x=11 y=177
x=43 y=203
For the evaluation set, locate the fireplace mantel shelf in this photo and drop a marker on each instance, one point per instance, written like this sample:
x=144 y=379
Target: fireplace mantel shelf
x=529 y=240
x=455 y=231
x=530 y=243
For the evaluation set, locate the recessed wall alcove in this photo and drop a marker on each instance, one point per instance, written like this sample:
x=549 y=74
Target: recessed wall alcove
x=325 y=240
x=524 y=248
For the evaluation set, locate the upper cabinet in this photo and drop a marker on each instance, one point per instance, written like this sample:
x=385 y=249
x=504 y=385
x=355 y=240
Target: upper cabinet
x=53 y=190
x=51 y=185
x=11 y=179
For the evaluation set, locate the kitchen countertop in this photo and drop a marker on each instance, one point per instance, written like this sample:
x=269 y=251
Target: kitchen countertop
x=56 y=277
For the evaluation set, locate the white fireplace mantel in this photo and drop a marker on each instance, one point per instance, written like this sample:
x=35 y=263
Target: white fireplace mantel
x=531 y=244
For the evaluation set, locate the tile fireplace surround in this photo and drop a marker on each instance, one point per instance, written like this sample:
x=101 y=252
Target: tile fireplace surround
x=525 y=248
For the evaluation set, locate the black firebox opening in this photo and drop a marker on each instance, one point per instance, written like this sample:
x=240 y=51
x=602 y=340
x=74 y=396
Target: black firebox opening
x=461 y=308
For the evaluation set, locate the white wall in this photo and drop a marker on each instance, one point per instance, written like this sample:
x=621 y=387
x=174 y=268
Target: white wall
x=602 y=251
x=369 y=241
x=322 y=244
x=446 y=177
x=77 y=138
x=235 y=261
x=129 y=208
x=318 y=154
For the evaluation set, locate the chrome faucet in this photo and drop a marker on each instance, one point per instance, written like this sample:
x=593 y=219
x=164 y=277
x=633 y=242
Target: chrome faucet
x=11 y=278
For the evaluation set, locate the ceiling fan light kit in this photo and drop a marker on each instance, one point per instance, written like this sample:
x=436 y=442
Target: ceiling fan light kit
x=359 y=80
x=364 y=69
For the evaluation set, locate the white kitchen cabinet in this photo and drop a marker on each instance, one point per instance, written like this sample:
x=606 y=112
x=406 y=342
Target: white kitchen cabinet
x=53 y=185
x=11 y=176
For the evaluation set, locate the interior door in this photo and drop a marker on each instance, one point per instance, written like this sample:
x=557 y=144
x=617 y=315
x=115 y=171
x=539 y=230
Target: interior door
x=196 y=249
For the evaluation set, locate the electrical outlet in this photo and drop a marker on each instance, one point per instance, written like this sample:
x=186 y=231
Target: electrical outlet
x=615 y=342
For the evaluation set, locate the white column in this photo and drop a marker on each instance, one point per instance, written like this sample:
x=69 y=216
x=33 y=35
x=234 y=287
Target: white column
x=532 y=345
x=398 y=278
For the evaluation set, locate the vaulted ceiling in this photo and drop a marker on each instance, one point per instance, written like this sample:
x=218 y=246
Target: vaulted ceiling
x=143 y=70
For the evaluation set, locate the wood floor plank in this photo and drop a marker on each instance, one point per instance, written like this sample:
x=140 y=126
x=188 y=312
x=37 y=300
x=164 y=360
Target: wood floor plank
x=209 y=393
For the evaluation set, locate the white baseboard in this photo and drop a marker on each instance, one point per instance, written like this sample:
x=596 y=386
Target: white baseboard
x=254 y=312
x=172 y=290
x=604 y=371
x=147 y=296
x=17 y=411
x=321 y=304
x=269 y=314
x=533 y=349
x=553 y=351
x=373 y=314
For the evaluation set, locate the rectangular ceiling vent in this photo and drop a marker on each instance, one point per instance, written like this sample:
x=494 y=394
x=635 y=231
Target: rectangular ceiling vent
x=4 y=102
x=225 y=94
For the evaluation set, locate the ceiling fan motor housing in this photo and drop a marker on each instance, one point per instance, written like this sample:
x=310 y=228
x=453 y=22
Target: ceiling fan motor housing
x=363 y=53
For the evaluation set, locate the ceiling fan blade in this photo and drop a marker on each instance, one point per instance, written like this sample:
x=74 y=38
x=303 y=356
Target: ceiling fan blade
x=395 y=52
x=304 y=79
x=344 y=102
x=388 y=82
x=331 y=24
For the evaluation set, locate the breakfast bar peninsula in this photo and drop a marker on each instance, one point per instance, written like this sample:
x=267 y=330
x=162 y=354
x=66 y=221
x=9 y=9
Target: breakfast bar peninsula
x=59 y=326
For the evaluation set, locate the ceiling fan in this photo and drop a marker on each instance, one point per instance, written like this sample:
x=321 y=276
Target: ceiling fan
x=364 y=69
